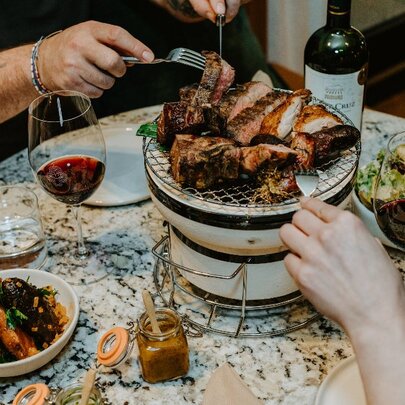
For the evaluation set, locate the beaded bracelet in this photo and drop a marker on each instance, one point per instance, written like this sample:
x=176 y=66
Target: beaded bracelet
x=36 y=80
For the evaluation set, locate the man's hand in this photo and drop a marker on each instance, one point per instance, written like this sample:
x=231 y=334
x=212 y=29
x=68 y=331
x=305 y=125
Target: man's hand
x=86 y=57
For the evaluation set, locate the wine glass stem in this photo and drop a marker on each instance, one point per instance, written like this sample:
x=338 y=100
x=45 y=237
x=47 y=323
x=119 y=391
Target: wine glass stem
x=81 y=248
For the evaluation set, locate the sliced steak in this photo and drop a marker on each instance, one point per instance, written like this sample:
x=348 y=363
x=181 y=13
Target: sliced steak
x=268 y=139
x=246 y=124
x=314 y=118
x=255 y=157
x=212 y=72
x=280 y=121
x=224 y=81
x=217 y=78
x=179 y=118
x=243 y=96
x=187 y=93
x=203 y=162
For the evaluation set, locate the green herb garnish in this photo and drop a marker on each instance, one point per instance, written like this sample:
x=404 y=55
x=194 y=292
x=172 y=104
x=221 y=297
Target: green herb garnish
x=148 y=130
x=45 y=292
x=14 y=317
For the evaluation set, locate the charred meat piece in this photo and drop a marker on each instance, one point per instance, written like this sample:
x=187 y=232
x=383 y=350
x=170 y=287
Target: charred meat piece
x=246 y=124
x=271 y=156
x=179 y=118
x=187 y=93
x=16 y=341
x=42 y=322
x=224 y=81
x=280 y=121
x=314 y=118
x=304 y=145
x=217 y=78
x=214 y=122
x=275 y=185
x=268 y=139
x=330 y=142
x=244 y=96
x=203 y=162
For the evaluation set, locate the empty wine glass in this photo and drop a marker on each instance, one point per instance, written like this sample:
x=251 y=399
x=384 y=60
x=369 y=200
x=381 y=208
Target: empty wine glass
x=67 y=154
x=389 y=195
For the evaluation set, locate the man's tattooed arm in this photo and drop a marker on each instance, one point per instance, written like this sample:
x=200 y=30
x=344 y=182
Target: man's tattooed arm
x=181 y=9
x=184 y=7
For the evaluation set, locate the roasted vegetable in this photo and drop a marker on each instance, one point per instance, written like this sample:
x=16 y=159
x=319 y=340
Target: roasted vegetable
x=5 y=355
x=15 y=340
x=26 y=301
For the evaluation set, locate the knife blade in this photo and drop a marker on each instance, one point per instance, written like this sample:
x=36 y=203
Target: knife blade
x=220 y=21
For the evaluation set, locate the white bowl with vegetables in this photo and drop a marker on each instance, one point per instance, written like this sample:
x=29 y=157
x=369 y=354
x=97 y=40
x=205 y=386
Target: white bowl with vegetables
x=362 y=197
x=38 y=315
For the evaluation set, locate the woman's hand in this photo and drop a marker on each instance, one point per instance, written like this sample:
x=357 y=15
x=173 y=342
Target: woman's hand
x=341 y=268
x=86 y=57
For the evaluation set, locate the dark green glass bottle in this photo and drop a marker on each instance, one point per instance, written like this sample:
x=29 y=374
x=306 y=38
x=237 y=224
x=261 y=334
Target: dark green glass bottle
x=336 y=61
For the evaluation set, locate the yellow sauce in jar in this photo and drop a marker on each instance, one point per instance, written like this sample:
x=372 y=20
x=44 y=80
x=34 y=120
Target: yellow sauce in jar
x=163 y=356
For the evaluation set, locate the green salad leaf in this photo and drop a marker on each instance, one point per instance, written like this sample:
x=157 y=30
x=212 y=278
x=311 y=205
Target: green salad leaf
x=14 y=317
x=366 y=180
x=148 y=130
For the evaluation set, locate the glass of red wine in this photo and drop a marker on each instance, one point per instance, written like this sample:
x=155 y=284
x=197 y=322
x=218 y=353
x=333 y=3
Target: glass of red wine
x=389 y=195
x=67 y=154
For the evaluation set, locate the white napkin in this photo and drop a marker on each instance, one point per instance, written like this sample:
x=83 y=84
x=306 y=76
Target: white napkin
x=225 y=387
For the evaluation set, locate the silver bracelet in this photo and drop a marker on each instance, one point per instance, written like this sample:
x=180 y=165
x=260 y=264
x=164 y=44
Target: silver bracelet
x=35 y=78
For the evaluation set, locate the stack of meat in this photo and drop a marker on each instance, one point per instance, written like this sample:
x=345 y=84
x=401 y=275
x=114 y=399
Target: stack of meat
x=216 y=134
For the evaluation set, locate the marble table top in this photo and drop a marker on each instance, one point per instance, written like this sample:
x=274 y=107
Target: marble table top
x=279 y=370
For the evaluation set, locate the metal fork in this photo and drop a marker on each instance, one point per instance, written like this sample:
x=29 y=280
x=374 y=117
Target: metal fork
x=178 y=55
x=307 y=180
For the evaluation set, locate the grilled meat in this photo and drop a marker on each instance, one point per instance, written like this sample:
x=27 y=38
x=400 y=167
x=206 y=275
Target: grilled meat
x=217 y=78
x=268 y=139
x=179 y=118
x=254 y=157
x=42 y=322
x=244 y=96
x=187 y=93
x=16 y=341
x=202 y=162
x=304 y=145
x=329 y=142
x=246 y=124
x=224 y=82
x=280 y=121
x=314 y=118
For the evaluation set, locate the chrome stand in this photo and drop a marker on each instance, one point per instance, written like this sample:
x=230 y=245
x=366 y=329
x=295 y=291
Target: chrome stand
x=204 y=311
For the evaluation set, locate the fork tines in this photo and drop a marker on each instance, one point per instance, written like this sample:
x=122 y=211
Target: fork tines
x=191 y=58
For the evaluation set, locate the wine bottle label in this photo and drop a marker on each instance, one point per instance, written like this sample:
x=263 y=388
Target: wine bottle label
x=344 y=92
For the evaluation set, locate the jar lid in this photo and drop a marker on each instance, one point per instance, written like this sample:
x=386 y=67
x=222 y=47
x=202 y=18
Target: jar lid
x=113 y=346
x=34 y=393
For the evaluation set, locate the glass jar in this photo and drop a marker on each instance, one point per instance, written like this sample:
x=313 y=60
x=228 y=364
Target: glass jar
x=72 y=394
x=40 y=394
x=162 y=356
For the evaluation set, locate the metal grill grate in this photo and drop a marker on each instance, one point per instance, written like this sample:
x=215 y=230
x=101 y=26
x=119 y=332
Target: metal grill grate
x=241 y=195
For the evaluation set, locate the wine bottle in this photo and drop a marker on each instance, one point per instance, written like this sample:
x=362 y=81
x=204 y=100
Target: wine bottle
x=336 y=62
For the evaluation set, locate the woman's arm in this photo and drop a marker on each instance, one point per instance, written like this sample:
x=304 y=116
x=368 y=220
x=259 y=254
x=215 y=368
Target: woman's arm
x=346 y=273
